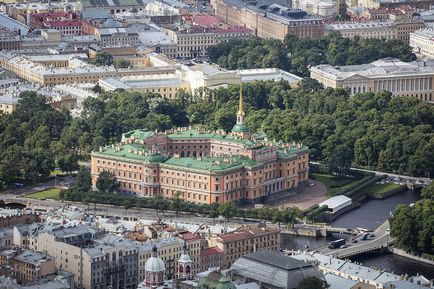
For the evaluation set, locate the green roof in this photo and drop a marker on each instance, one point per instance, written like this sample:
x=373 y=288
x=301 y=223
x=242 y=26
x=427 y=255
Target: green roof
x=215 y=280
x=132 y=151
x=139 y=134
x=240 y=128
x=211 y=163
x=193 y=133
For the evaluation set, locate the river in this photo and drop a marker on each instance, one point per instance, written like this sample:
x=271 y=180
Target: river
x=369 y=215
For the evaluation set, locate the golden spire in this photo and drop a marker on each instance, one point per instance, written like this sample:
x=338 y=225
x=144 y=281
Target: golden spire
x=241 y=105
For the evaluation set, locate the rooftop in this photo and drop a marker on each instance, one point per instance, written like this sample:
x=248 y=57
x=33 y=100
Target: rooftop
x=276 y=10
x=210 y=251
x=382 y=67
x=246 y=233
x=277 y=260
x=335 y=201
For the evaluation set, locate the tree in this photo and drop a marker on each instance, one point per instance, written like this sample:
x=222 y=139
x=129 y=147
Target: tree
x=103 y=58
x=128 y=204
x=214 y=210
x=121 y=63
x=68 y=163
x=107 y=182
x=83 y=182
x=175 y=203
x=227 y=209
x=97 y=88
x=311 y=282
x=86 y=201
x=340 y=160
x=157 y=203
x=428 y=192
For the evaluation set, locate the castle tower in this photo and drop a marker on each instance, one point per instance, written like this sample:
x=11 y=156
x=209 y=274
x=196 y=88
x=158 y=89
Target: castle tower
x=184 y=265
x=240 y=128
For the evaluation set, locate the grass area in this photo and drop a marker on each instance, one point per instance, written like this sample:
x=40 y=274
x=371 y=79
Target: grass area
x=56 y=172
x=428 y=256
x=334 y=183
x=378 y=189
x=47 y=194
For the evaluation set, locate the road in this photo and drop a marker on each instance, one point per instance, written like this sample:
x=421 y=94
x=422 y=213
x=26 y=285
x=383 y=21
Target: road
x=378 y=173
x=131 y=214
x=381 y=240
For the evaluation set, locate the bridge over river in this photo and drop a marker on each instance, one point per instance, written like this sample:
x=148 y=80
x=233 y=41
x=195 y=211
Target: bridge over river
x=380 y=241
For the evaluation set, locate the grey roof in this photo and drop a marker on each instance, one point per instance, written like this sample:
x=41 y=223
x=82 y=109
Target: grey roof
x=274 y=269
x=12 y=24
x=338 y=282
x=277 y=260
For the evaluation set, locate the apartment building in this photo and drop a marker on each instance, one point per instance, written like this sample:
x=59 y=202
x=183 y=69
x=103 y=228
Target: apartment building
x=67 y=23
x=97 y=263
x=269 y=20
x=379 y=30
x=9 y=40
x=26 y=266
x=391 y=4
x=123 y=36
x=246 y=240
x=194 y=41
x=211 y=257
x=400 y=78
x=205 y=167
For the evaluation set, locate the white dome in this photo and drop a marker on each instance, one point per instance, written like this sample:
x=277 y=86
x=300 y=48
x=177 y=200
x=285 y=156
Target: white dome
x=185 y=258
x=155 y=264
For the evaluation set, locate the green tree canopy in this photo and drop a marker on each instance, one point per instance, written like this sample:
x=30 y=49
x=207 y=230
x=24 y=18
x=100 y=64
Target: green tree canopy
x=103 y=58
x=311 y=283
x=107 y=182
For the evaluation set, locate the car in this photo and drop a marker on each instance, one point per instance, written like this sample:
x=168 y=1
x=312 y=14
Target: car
x=372 y=235
x=354 y=241
x=343 y=246
x=221 y=218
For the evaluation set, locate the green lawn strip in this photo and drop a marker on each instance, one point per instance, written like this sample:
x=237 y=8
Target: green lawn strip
x=334 y=183
x=47 y=194
x=378 y=189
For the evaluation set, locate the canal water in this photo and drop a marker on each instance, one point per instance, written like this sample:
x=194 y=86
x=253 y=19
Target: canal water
x=369 y=215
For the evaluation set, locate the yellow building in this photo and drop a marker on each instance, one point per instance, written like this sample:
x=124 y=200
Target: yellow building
x=51 y=70
x=165 y=85
x=246 y=240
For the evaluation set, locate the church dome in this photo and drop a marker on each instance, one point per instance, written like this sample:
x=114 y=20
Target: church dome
x=155 y=264
x=185 y=258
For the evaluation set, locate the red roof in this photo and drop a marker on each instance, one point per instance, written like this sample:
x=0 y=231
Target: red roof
x=205 y=20
x=246 y=233
x=188 y=236
x=210 y=251
x=63 y=23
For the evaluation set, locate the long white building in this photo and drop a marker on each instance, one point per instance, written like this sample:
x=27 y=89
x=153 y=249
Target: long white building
x=389 y=74
x=422 y=42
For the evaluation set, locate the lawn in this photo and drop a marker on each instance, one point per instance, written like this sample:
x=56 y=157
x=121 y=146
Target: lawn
x=47 y=194
x=56 y=172
x=334 y=183
x=378 y=190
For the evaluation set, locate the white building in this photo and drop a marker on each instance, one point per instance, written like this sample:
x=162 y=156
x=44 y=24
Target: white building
x=422 y=42
x=389 y=74
x=336 y=203
x=324 y=8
